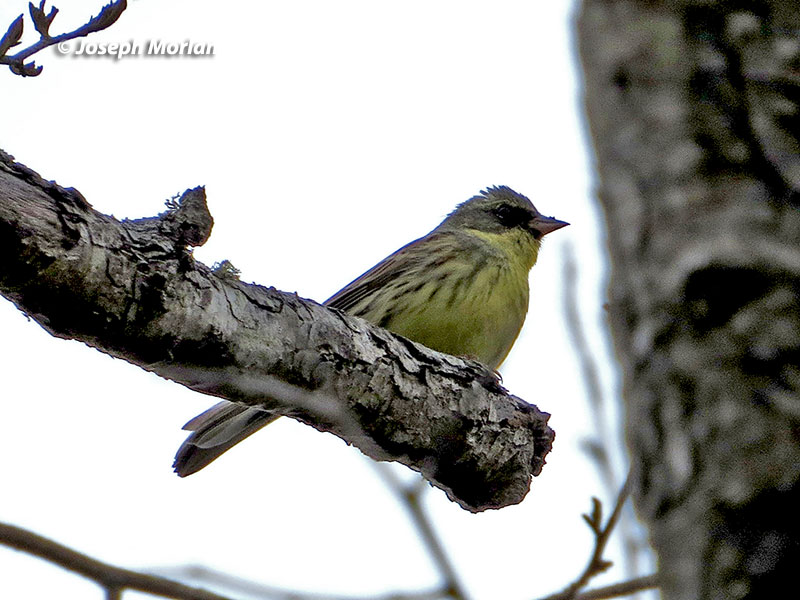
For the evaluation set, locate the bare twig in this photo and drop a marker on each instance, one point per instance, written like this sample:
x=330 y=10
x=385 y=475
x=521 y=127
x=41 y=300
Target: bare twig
x=201 y=574
x=115 y=580
x=624 y=588
x=598 y=447
x=411 y=498
x=597 y=564
x=601 y=446
x=107 y=16
x=112 y=579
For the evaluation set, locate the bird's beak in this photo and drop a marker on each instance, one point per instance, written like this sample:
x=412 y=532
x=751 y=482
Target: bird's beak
x=545 y=225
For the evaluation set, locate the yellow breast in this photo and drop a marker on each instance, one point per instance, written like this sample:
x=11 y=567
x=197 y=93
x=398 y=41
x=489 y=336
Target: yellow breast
x=475 y=304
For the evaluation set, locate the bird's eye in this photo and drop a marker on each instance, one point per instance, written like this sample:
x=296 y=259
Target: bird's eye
x=510 y=216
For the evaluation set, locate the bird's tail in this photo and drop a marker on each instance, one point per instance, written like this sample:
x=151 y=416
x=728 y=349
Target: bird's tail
x=215 y=431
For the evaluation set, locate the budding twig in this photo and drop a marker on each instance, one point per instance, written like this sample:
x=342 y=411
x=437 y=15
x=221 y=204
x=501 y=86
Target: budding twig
x=107 y=16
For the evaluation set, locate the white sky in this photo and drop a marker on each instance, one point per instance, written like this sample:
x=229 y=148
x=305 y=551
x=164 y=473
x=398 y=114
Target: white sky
x=327 y=134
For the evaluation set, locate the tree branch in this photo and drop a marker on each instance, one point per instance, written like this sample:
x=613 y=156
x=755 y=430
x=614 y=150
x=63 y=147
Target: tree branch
x=600 y=446
x=111 y=578
x=115 y=580
x=107 y=16
x=597 y=564
x=132 y=290
x=625 y=588
x=240 y=585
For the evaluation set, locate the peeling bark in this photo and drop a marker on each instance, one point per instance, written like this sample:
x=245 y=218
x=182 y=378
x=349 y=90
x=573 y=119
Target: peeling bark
x=693 y=108
x=131 y=289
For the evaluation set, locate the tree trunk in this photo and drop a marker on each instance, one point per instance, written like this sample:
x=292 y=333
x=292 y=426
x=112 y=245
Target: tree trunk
x=693 y=109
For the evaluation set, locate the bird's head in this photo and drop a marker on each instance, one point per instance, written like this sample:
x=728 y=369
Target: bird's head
x=498 y=211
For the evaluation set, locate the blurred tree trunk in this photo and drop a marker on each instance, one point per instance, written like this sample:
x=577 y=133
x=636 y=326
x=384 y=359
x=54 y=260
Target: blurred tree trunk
x=693 y=109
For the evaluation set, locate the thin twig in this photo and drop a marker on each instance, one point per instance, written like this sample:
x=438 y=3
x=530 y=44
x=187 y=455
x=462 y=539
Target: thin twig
x=239 y=585
x=113 y=593
x=115 y=580
x=107 y=16
x=599 y=446
x=625 y=588
x=112 y=579
x=597 y=564
x=411 y=498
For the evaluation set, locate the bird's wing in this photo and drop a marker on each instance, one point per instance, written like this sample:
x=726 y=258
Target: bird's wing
x=419 y=255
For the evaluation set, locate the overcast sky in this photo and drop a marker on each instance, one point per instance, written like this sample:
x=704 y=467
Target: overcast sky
x=327 y=134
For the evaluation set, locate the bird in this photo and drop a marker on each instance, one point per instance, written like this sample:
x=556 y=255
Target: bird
x=462 y=289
